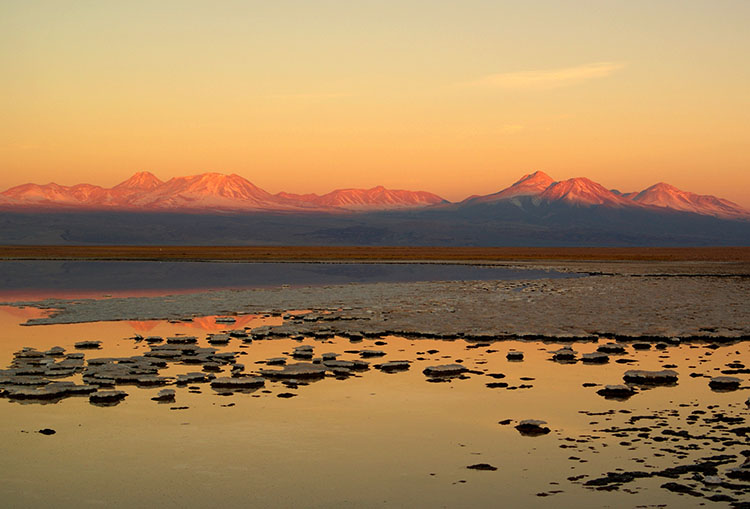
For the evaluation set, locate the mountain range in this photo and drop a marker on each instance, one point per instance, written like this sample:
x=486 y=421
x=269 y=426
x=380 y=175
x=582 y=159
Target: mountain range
x=209 y=192
x=216 y=209
x=215 y=192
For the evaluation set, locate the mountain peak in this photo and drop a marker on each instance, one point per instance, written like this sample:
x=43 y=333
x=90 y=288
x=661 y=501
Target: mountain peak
x=668 y=196
x=209 y=190
x=213 y=191
x=532 y=184
x=214 y=175
x=663 y=186
x=215 y=180
x=583 y=191
x=142 y=180
x=537 y=179
x=378 y=197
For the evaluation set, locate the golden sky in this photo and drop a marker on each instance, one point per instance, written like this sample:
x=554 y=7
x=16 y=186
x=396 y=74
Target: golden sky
x=457 y=98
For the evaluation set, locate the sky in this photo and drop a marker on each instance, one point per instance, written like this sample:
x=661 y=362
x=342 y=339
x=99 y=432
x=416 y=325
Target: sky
x=456 y=98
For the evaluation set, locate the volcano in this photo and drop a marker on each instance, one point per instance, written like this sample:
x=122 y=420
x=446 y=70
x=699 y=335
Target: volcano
x=217 y=192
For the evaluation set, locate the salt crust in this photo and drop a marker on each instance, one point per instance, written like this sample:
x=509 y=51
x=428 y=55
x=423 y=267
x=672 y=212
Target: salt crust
x=628 y=299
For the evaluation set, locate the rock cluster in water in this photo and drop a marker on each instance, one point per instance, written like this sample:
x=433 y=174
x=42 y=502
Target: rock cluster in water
x=37 y=376
x=532 y=427
x=643 y=377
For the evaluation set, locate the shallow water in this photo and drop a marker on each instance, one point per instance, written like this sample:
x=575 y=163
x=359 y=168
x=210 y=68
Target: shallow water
x=369 y=440
x=43 y=278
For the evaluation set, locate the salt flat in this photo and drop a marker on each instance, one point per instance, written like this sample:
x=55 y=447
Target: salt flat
x=623 y=299
x=623 y=384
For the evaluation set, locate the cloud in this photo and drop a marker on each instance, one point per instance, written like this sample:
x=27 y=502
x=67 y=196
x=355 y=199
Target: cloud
x=551 y=78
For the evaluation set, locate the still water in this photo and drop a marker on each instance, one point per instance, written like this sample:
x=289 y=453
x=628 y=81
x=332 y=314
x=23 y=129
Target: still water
x=19 y=279
x=370 y=440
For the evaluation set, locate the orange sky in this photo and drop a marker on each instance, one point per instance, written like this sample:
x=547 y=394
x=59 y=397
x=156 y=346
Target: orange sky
x=457 y=98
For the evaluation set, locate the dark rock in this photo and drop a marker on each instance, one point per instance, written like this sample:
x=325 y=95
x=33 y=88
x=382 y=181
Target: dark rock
x=165 y=395
x=616 y=391
x=566 y=354
x=444 y=370
x=611 y=348
x=495 y=375
x=680 y=488
x=392 y=366
x=595 y=358
x=724 y=383
x=643 y=377
x=238 y=382
x=88 y=345
x=219 y=339
x=514 y=355
x=496 y=385
x=298 y=370
x=194 y=377
x=107 y=396
x=532 y=428
x=482 y=466
x=182 y=340
x=371 y=353
x=303 y=352
x=354 y=365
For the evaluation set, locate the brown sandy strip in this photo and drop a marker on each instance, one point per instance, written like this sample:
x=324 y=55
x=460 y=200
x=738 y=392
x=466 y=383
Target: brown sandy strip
x=368 y=253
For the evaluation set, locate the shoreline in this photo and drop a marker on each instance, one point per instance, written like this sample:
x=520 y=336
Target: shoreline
x=369 y=254
x=564 y=308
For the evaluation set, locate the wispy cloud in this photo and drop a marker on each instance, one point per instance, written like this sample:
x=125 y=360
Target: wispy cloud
x=546 y=79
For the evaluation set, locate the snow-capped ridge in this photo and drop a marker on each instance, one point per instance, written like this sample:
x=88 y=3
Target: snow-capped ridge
x=667 y=196
x=209 y=191
x=537 y=178
x=212 y=191
x=139 y=181
x=532 y=184
x=583 y=191
x=378 y=197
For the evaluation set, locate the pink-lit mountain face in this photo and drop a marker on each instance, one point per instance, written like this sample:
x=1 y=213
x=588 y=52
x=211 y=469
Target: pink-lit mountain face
x=85 y=195
x=583 y=192
x=532 y=184
x=576 y=191
x=377 y=198
x=218 y=192
x=141 y=182
x=664 y=195
x=209 y=191
x=206 y=192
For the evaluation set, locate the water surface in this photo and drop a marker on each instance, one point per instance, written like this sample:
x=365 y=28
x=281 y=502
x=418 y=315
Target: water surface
x=371 y=440
x=64 y=278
